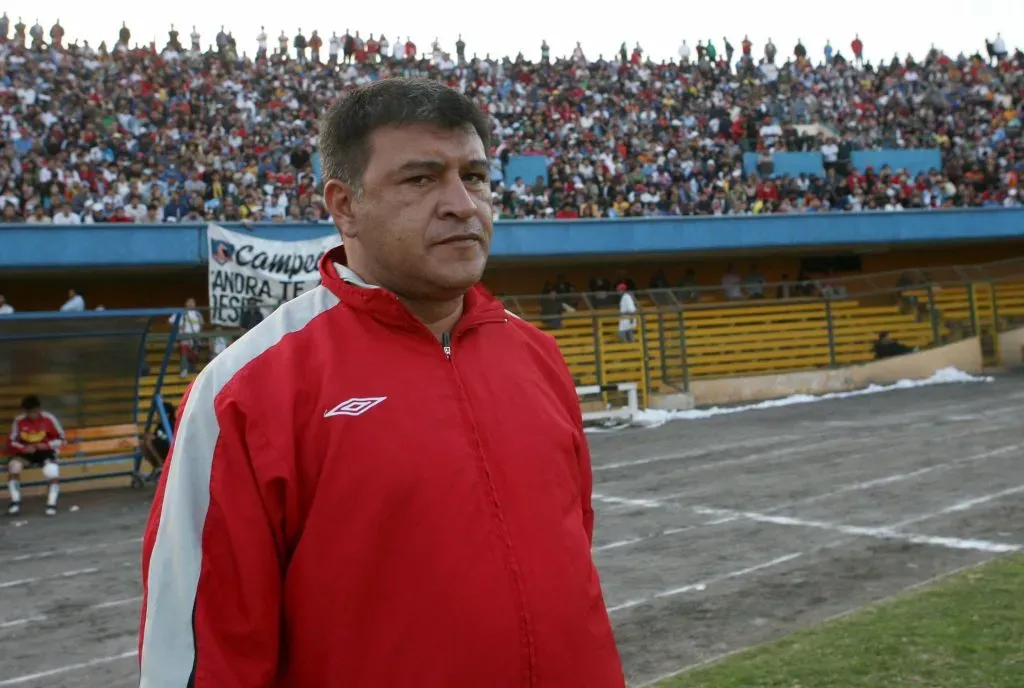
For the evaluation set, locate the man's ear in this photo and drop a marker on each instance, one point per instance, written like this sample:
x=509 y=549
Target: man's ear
x=339 y=198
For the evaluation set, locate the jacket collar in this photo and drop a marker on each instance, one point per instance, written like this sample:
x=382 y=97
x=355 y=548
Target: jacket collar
x=479 y=305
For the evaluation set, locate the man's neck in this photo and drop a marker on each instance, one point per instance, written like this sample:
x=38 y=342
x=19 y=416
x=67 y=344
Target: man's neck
x=438 y=316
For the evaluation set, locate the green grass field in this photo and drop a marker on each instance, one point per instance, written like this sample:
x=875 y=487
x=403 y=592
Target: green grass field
x=966 y=631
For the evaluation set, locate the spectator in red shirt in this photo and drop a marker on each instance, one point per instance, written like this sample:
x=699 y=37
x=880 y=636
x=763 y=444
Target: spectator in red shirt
x=857 y=46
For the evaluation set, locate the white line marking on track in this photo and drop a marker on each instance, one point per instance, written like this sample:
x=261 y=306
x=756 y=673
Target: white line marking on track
x=666 y=500
x=70 y=550
x=36 y=579
x=874 y=482
x=889 y=531
x=705 y=451
x=661 y=533
x=966 y=504
x=880 y=532
x=21 y=622
x=66 y=669
x=43 y=617
x=791 y=451
x=962 y=505
x=623 y=501
x=116 y=603
x=702 y=585
x=900 y=477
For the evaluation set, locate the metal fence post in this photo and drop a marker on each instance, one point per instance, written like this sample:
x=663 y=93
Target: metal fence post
x=598 y=350
x=972 y=304
x=662 y=347
x=645 y=359
x=830 y=324
x=933 y=314
x=994 y=302
x=683 y=355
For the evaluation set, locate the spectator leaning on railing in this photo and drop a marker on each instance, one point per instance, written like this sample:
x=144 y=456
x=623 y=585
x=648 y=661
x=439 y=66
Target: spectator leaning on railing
x=181 y=135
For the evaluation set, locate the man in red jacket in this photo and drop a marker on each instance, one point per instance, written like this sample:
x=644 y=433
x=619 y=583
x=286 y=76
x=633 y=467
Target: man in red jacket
x=36 y=437
x=386 y=482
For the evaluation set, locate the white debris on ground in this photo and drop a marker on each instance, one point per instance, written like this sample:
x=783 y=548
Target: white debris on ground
x=652 y=418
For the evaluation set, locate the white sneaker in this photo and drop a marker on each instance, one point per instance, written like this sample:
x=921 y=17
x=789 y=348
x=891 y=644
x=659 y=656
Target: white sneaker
x=51 y=511
x=13 y=509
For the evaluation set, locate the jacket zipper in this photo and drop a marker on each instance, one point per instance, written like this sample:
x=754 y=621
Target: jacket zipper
x=446 y=345
x=446 y=337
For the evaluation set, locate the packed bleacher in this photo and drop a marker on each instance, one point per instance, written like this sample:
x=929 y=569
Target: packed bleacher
x=178 y=133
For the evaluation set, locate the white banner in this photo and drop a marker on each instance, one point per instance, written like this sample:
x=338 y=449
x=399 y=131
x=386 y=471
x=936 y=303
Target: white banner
x=246 y=271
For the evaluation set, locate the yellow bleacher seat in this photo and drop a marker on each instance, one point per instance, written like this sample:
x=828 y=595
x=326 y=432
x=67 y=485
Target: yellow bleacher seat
x=728 y=340
x=91 y=454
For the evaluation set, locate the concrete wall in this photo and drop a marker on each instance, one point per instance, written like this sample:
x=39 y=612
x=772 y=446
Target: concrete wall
x=965 y=356
x=1011 y=348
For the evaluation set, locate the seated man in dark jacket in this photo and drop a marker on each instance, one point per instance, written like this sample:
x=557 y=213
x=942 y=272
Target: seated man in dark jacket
x=887 y=347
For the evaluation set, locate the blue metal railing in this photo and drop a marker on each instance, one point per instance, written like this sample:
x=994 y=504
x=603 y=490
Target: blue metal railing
x=156 y=406
x=165 y=422
x=162 y=373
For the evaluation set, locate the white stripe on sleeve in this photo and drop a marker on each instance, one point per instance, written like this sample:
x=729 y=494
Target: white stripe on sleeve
x=168 y=649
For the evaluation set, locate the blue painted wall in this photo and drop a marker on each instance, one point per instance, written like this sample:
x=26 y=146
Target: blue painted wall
x=529 y=167
x=43 y=246
x=917 y=161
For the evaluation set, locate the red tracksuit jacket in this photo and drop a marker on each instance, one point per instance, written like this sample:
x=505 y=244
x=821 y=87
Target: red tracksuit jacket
x=43 y=429
x=349 y=503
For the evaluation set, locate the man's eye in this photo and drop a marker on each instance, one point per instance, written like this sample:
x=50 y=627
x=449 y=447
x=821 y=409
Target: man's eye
x=477 y=178
x=420 y=180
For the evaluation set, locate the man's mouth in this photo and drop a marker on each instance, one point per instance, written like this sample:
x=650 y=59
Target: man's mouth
x=461 y=239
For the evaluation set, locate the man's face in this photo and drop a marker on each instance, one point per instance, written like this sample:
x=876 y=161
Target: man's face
x=423 y=225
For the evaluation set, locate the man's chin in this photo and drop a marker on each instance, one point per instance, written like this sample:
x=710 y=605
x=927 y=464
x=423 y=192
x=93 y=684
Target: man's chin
x=459 y=278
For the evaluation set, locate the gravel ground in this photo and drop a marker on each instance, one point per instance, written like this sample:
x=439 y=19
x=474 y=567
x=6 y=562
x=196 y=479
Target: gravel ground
x=712 y=535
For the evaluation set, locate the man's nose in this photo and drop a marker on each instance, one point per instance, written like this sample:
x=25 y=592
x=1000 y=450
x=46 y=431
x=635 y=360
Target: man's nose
x=456 y=199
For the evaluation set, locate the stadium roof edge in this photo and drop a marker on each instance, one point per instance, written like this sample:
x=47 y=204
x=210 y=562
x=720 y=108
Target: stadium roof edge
x=106 y=313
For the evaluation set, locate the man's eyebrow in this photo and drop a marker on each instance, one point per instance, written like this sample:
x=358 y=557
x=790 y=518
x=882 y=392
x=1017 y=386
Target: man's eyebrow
x=420 y=165
x=428 y=165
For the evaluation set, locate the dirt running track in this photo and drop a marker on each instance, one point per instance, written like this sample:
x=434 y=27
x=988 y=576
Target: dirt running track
x=711 y=535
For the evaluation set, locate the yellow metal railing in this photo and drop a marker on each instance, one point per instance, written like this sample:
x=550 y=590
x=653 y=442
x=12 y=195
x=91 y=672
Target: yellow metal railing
x=861 y=287
x=675 y=345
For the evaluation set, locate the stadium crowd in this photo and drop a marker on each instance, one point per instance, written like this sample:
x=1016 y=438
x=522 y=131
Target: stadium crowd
x=176 y=133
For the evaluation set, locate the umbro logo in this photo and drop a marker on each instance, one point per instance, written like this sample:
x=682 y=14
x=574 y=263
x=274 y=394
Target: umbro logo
x=356 y=406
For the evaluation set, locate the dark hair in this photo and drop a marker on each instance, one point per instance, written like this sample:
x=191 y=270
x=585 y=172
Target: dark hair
x=346 y=128
x=31 y=403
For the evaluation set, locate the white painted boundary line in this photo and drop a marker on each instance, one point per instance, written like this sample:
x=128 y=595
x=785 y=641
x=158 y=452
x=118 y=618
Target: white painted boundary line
x=92 y=607
x=624 y=501
x=37 y=579
x=704 y=451
x=788 y=452
x=662 y=501
x=17 y=680
x=753 y=458
x=890 y=532
x=71 y=550
x=22 y=622
x=874 y=482
x=880 y=532
x=667 y=500
x=699 y=587
x=661 y=533
x=962 y=505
